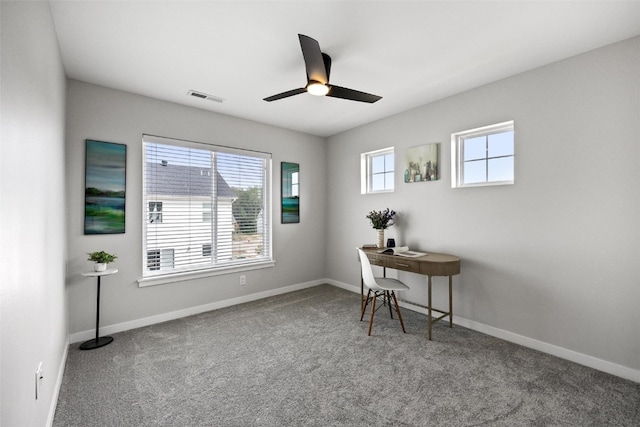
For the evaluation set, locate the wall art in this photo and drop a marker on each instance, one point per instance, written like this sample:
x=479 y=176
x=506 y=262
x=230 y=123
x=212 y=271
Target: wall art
x=290 y=192
x=105 y=186
x=421 y=163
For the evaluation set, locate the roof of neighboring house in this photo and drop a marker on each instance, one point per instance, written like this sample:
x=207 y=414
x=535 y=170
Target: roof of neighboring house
x=180 y=180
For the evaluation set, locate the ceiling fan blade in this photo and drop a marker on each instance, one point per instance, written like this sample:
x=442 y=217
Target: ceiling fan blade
x=285 y=94
x=313 y=59
x=351 y=94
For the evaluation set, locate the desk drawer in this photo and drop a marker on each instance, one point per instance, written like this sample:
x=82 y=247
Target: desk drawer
x=403 y=264
x=376 y=259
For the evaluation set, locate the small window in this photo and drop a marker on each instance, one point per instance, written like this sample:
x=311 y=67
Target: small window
x=160 y=259
x=155 y=212
x=377 y=171
x=483 y=156
x=167 y=257
x=206 y=213
x=206 y=249
x=153 y=260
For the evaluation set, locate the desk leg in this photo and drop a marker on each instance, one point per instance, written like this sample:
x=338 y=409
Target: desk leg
x=387 y=298
x=429 y=299
x=97 y=342
x=450 y=303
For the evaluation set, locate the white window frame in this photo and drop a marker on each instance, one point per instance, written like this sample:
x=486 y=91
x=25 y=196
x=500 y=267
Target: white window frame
x=457 y=154
x=366 y=170
x=161 y=276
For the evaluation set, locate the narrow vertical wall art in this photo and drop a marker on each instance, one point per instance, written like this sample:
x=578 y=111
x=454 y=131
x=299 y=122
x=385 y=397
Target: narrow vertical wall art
x=290 y=192
x=105 y=186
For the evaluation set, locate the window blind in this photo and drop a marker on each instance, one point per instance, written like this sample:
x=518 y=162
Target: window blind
x=204 y=206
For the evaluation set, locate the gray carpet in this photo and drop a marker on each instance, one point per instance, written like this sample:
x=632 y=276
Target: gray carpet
x=304 y=359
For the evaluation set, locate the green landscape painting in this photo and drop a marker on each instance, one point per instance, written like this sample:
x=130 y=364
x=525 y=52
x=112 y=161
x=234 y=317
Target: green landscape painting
x=290 y=192
x=105 y=185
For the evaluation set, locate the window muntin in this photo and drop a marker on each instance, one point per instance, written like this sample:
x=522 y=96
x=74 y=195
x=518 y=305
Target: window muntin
x=483 y=156
x=377 y=171
x=216 y=205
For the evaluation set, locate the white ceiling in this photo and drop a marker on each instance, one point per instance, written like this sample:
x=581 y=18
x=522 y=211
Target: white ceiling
x=409 y=52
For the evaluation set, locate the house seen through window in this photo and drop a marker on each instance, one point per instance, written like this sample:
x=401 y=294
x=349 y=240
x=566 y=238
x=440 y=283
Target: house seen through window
x=208 y=207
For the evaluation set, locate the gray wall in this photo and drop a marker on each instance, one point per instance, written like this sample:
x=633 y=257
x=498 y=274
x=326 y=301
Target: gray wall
x=33 y=309
x=108 y=115
x=551 y=259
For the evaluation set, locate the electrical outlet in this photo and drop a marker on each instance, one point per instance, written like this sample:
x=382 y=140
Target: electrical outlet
x=243 y=280
x=39 y=377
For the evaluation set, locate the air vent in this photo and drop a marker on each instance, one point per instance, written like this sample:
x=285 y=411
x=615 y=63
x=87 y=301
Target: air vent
x=205 y=96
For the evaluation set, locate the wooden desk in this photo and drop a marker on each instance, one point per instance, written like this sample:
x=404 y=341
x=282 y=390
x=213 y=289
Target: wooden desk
x=430 y=265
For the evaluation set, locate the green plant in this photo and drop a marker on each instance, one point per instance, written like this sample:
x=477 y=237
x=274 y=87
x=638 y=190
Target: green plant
x=381 y=219
x=101 y=257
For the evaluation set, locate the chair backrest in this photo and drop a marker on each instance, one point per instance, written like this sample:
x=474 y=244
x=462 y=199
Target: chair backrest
x=367 y=273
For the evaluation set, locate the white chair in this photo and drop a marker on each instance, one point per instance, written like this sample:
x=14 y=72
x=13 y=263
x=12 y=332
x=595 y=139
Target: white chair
x=379 y=287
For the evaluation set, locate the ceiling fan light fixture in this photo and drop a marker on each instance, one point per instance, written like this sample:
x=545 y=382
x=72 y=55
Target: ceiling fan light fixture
x=317 y=88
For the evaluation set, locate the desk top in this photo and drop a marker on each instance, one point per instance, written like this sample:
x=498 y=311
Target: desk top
x=432 y=264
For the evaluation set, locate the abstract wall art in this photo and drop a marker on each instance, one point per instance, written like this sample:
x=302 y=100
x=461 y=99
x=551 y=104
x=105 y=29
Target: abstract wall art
x=105 y=186
x=421 y=163
x=290 y=192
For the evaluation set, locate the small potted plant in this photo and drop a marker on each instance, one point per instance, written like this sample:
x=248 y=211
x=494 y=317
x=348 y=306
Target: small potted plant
x=381 y=220
x=101 y=259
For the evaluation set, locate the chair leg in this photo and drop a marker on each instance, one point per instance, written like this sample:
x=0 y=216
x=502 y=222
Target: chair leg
x=388 y=298
x=373 y=310
x=395 y=300
x=364 y=307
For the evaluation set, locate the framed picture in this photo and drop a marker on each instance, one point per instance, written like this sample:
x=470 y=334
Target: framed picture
x=105 y=185
x=421 y=163
x=290 y=192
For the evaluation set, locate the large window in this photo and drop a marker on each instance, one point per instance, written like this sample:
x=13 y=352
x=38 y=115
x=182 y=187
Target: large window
x=377 y=171
x=206 y=208
x=483 y=156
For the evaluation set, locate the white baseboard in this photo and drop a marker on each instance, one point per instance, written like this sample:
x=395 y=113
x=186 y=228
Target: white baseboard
x=573 y=356
x=151 y=320
x=58 y=384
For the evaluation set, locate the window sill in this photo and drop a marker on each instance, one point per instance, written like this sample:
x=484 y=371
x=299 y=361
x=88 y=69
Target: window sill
x=191 y=275
x=485 y=184
x=378 y=191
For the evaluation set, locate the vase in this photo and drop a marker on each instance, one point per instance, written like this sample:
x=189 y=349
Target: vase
x=100 y=266
x=380 y=243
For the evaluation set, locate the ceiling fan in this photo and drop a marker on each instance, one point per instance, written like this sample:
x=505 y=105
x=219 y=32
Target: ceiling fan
x=318 y=66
